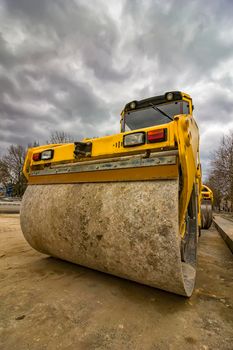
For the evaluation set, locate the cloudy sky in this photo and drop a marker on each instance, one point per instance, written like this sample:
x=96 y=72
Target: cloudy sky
x=72 y=65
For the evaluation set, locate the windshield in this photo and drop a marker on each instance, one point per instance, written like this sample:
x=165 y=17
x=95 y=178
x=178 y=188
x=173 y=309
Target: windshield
x=144 y=118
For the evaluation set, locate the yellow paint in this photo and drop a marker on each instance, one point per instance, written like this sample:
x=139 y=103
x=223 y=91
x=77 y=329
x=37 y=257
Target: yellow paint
x=141 y=174
x=103 y=147
x=198 y=186
x=206 y=193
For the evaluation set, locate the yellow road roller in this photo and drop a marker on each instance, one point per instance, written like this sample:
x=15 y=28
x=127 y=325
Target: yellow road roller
x=206 y=207
x=126 y=204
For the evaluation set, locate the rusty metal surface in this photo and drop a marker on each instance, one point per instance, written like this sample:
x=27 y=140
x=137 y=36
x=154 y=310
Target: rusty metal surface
x=125 y=229
x=133 y=162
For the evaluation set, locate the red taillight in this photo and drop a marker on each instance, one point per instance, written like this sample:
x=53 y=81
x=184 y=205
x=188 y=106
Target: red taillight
x=158 y=135
x=36 y=156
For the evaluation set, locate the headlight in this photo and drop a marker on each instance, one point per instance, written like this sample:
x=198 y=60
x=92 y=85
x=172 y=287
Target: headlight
x=135 y=139
x=47 y=154
x=169 y=96
x=133 y=105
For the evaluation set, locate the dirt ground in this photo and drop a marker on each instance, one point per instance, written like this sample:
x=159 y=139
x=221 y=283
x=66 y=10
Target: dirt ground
x=47 y=303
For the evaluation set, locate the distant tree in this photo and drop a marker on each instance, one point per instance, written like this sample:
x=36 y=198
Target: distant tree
x=221 y=175
x=4 y=173
x=215 y=185
x=60 y=137
x=11 y=169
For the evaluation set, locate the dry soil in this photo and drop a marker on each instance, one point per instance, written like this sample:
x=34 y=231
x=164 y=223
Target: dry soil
x=47 y=303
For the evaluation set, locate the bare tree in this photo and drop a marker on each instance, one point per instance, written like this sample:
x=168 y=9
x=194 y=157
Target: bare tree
x=221 y=175
x=60 y=137
x=215 y=185
x=4 y=173
x=11 y=168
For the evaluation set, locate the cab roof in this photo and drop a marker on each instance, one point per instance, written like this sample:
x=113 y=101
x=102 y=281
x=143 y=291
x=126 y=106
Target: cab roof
x=177 y=96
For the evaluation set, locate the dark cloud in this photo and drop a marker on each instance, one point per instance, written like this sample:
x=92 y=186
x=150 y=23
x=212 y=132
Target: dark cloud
x=39 y=111
x=184 y=39
x=72 y=30
x=73 y=65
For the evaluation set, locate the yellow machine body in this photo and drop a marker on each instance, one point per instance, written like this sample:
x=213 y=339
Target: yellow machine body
x=108 y=159
x=182 y=135
x=207 y=193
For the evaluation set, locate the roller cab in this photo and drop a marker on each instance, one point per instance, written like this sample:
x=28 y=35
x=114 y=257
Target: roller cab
x=126 y=204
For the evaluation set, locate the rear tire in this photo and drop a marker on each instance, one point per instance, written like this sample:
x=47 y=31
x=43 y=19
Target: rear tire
x=206 y=214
